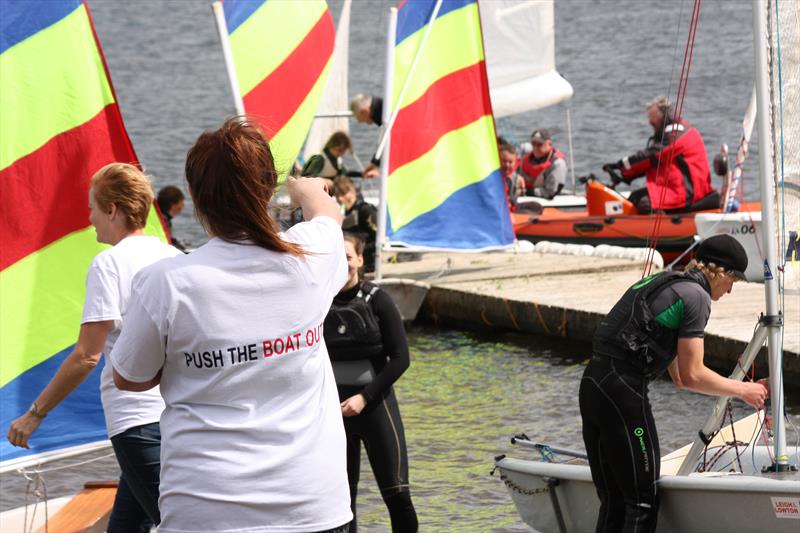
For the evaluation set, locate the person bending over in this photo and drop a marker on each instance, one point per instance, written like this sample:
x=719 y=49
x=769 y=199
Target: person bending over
x=369 y=350
x=657 y=325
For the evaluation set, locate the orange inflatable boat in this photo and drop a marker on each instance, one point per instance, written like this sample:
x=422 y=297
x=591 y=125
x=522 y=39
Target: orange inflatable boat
x=609 y=218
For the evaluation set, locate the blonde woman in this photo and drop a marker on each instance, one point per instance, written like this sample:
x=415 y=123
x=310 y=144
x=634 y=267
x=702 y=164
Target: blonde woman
x=657 y=325
x=119 y=202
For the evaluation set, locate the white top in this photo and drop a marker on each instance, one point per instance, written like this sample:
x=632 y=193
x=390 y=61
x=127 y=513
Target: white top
x=252 y=433
x=108 y=290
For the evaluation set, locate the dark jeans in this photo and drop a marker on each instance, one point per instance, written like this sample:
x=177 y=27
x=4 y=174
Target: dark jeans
x=138 y=452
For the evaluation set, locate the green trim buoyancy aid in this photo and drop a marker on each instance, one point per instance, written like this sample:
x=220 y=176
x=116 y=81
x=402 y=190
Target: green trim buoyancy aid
x=633 y=332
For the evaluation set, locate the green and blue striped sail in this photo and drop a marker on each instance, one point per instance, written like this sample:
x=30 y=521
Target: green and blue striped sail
x=444 y=188
x=59 y=123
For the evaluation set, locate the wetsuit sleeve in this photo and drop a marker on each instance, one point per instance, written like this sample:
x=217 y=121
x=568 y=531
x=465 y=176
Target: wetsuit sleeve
x=395 y=346
x=313 y=166
x=367 y=218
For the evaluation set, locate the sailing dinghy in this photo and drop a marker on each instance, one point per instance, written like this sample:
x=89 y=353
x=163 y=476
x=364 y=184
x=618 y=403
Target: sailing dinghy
x=752 y=483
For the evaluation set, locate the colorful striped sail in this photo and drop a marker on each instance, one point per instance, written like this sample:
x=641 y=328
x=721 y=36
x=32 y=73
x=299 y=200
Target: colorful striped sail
x=444 y=189
x=59 y=123
x=282 y=52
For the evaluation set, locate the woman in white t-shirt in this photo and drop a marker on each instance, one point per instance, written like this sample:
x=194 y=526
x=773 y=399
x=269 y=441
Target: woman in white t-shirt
x=119 y=202
x=252 y=432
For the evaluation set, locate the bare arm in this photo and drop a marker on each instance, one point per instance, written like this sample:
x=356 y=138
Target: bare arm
x=73 y=371
x=310 y=195
x=694 y=375
x=135 y=386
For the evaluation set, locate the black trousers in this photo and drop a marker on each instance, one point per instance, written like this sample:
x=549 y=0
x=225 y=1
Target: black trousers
x=622 y=445
x=380 y=428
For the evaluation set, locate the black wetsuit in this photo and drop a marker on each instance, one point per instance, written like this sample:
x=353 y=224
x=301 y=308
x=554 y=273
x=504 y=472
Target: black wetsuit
x=618 y=428
x=364 y=327
x=362 y=219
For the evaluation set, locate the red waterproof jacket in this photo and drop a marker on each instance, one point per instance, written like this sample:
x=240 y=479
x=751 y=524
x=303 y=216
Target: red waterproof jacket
x=680 y=163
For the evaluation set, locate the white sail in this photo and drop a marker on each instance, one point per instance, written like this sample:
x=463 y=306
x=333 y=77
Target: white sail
x=334 y=97
x=784 y=23
x=519 y=45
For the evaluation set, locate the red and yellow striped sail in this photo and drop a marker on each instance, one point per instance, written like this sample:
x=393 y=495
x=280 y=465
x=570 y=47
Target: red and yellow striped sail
x=59 y=123
x=282 y=52
x=444 y=188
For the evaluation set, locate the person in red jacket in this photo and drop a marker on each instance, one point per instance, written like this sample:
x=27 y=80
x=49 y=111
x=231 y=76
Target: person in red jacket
x=675 y=159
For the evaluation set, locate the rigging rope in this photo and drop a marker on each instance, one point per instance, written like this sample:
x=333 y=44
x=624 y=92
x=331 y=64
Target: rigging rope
x=683 y=81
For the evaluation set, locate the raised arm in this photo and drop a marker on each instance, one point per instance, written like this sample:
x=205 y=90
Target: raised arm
x=310 y=195
x=72 y=372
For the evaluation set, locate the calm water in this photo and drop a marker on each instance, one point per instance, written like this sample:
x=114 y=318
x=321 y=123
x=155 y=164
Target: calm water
x=168 y=71
x=462 y=399
x=464 y=396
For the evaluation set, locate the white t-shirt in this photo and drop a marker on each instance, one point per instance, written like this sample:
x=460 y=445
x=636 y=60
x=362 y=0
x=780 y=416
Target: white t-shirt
x=108 y=290
x=252 y=433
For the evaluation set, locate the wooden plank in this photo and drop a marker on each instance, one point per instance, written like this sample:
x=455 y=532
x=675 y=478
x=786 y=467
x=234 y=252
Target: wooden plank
x=87 y=512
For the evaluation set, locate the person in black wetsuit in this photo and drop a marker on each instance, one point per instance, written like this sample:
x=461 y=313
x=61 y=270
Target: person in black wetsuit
x=367 y=344
x=360 y=217
x=657 y=325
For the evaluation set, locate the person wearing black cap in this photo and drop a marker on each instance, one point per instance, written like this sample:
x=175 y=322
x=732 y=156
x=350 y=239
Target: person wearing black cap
x=544 y=168
x=657 y=325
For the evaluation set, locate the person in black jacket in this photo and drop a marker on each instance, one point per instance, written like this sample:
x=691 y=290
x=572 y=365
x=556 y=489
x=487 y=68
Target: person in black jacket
x=360 y=217
x=657 y=325
x=368 y=348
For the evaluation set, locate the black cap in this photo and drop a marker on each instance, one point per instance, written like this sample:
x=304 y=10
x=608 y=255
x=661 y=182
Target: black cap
x=540 y=136
x=724 y=251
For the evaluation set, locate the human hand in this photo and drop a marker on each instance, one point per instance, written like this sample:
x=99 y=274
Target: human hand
x=353 y=405
x=755 y=394
x=299 y=188
x=613 y=170
x=22 y=428
x=371 y=171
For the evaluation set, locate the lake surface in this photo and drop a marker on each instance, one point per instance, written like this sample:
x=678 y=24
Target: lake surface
x=167 y=68
x=464 y=395
x=461 y=400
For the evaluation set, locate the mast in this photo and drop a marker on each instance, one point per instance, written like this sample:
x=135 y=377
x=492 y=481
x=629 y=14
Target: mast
x=773 y=319
x=227 y=53
x=388 y=78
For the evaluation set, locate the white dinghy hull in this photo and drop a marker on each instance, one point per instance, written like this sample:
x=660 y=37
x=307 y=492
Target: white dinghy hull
x=698 y=503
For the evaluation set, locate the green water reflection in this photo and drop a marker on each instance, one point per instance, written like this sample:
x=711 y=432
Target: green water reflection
x=465 y=395
x=461 y=400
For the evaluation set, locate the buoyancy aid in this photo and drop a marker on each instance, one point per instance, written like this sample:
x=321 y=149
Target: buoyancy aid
x=631 y=332
x=351 y=329
x=330 y=167
x=681 y=163
x=531 y=170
